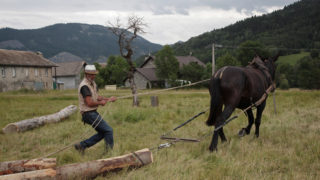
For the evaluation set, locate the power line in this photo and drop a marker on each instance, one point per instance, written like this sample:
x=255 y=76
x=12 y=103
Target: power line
x=252 y=47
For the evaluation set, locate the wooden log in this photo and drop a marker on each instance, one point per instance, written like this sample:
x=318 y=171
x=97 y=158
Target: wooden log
x=44 y=174
x=94 y=168
x=87 y=170
x=154 y=101
x=28 y=124
x=18 y=166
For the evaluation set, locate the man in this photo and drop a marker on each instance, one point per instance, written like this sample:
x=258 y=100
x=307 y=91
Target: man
x=89 y=100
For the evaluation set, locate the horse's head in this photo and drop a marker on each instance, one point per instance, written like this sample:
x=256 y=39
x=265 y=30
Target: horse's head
x=266 y=65
x=271 y=65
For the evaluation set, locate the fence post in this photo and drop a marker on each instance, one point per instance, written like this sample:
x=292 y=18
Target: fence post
x=154 y=101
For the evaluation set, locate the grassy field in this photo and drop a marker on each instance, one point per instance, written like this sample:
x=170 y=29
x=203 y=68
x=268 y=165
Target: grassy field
x=288 y=146
x=292 y=59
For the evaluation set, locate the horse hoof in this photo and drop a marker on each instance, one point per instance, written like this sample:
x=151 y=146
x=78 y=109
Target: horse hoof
x=242 y=132
x=209 y=123
x=211 y=149
x=223 y=140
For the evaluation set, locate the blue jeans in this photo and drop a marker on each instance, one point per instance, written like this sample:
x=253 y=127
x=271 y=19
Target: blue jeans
x=104 y=130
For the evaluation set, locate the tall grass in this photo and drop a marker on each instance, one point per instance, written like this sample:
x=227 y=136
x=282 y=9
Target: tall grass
x=288 y=146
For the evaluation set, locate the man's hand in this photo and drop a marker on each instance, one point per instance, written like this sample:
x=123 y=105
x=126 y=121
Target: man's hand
x=112 y=99
x=102 y=102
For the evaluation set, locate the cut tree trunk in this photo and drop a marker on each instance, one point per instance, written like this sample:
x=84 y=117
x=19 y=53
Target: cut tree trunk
x=94 y=168
x=18 y=166
x=44 y=174
x=88 y=170
x=39 y=121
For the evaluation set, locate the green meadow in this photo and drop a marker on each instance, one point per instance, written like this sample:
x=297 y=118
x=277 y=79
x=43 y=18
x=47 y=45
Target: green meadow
x=292 y=59
x=288 y=146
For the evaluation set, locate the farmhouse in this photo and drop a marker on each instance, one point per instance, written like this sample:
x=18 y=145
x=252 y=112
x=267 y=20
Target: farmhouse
x=145 y=76
x=68 y=74
x=24 y=69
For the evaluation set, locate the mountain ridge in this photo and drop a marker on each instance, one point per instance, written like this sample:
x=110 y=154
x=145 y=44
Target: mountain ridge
x=92 y=43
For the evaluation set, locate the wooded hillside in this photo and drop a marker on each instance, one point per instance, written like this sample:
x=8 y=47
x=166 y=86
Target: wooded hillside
x=90 y=42
x=295 y=27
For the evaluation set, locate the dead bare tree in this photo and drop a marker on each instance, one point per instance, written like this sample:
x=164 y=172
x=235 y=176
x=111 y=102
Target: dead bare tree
x=126 y=34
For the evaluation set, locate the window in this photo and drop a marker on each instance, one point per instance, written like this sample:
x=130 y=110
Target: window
x=3 y=72
x=46 y=72
x=36 y=73
x=27 y=72
x=13 y=72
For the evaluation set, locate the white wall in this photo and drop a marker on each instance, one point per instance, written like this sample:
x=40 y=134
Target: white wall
x=17 y=77
x=69 y=82
x=141 y=81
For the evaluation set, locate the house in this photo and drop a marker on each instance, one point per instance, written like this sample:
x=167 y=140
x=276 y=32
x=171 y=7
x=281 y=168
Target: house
x=145 y=76
x=24 y=69
x=68 y=74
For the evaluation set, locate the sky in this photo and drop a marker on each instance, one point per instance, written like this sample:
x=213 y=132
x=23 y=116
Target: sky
x=168 y=21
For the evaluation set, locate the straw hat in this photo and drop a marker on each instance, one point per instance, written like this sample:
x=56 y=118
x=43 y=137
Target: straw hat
x=90 y=69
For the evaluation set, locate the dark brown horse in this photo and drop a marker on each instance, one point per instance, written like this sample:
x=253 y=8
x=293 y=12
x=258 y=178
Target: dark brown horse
x=239 y=87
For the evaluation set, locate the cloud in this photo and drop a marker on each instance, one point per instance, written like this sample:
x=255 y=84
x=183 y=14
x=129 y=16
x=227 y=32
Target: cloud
x=156 y=6
x=172 y=28
x=168 y=21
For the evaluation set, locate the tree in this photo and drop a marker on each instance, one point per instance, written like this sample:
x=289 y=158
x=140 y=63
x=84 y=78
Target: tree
x=208 y=71
x=117 y=69
x=285 y=71
x=192 y=72
x=126 y=34
x=283 y=82
x=249 y=49
x=308 y=73
x=227 y=60
x=100 y=80
x=314 y=53
x=167 y=64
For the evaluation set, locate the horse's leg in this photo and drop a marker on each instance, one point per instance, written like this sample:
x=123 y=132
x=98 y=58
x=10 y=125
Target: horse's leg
x=220 y=120
x=245 y=131
x=257 y=122
x=214 y=142
x=222 y=136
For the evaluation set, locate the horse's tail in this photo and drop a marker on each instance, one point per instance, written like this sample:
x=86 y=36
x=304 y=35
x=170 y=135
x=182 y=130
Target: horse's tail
x=216 y=101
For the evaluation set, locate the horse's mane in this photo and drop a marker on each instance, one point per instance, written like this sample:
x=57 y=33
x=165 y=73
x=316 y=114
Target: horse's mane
x=257 y=63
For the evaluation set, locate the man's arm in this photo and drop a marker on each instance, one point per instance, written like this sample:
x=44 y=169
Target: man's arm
x=88 y=98
x=91 y=103
x=111 y=99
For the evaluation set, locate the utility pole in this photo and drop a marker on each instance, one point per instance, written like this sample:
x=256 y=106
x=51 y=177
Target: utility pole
x=213 y=60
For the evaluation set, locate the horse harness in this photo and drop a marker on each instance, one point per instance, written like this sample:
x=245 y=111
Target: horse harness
x=257 y=63
x=220 y=72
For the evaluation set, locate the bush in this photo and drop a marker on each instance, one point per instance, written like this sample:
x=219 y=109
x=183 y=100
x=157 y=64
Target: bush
x=308 y=72
x=314 y=54
x=284 y=83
